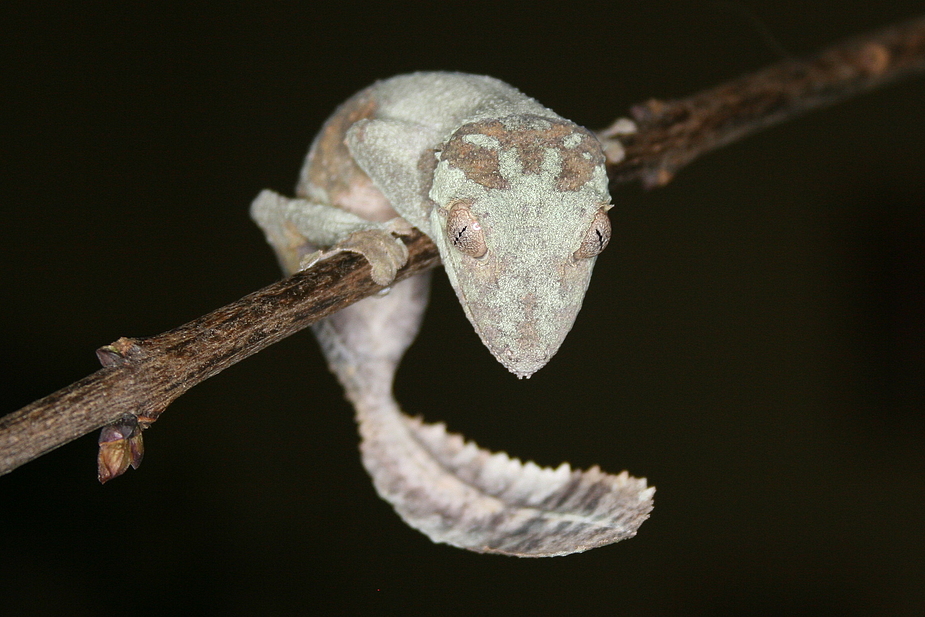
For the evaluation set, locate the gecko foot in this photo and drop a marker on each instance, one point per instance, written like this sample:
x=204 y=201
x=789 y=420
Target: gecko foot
x=385 y=253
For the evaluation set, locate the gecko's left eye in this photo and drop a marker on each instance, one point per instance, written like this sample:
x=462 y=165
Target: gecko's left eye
x=596 y=238
x=464 y=231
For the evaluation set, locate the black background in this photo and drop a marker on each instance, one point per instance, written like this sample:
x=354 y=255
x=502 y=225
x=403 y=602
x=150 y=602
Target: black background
x=752 y=341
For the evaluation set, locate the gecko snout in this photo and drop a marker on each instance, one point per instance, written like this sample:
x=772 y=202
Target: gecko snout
x=524 y=362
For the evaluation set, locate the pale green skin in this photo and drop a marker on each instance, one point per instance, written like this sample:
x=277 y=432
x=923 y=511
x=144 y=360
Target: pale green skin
x=522 y=297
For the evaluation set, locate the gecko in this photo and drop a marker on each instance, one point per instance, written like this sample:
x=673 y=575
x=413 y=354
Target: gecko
x=515 y=197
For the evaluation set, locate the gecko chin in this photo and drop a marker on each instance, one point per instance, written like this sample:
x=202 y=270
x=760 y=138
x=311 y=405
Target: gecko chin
x=522 y=357
x=522 y=367
x=531 y=323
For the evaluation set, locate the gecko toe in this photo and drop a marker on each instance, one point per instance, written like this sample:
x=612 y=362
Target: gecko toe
x=386 y=254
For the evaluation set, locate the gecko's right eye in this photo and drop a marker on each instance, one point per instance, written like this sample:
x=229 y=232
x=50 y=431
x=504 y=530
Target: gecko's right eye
x=596 y=238
x=464 y=231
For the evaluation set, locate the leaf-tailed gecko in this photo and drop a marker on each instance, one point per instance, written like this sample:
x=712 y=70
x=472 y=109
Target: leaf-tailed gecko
x=515 y=198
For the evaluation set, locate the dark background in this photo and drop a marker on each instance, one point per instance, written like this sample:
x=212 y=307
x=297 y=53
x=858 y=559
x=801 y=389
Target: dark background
x=752 y=341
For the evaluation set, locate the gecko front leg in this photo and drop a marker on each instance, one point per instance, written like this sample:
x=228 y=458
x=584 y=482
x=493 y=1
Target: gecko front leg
x=302 y=233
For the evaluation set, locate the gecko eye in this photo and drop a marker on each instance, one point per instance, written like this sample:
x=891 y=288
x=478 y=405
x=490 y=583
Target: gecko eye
x=597 y=237
x=464 y=231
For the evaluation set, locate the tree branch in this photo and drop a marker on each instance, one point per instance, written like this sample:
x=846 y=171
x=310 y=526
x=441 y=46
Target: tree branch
x=672 y=134
x=141 y=377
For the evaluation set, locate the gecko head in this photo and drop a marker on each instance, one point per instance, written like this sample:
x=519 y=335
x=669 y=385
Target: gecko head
x=520 y=216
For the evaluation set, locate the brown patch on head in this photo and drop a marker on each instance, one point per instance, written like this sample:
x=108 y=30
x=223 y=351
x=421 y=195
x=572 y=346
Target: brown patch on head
x=580 y=161
x=427 y=164
x=479 y=164
x=331 y=174
x=532 y=136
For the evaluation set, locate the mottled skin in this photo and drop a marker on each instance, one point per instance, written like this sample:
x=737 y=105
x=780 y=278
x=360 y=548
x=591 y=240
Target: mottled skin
x=515 y=197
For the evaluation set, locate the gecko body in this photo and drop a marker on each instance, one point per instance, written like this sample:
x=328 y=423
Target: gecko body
x=515 y=198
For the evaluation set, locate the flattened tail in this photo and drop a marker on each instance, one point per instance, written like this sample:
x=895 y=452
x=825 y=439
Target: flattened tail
x=459 y=494
x=453 y=491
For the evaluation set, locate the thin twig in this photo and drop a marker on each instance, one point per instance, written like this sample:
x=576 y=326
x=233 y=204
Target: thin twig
x=143 y=376
x=674 y=133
